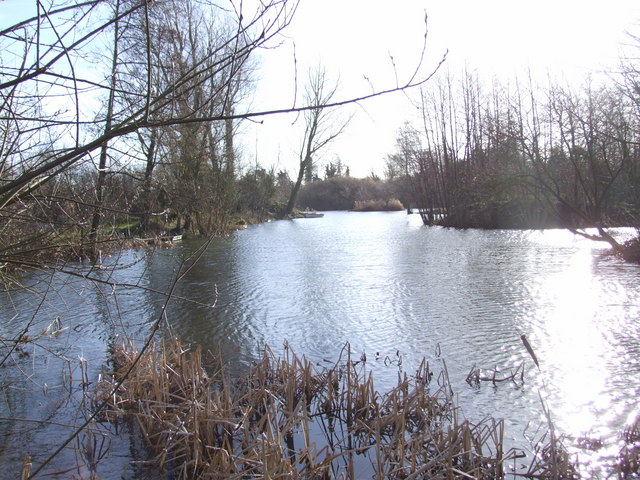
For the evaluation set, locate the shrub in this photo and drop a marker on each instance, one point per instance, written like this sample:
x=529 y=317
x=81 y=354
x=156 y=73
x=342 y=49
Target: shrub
x=378 y=205
x=341 y=193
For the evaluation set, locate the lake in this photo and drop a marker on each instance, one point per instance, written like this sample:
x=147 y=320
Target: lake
x=392 y=288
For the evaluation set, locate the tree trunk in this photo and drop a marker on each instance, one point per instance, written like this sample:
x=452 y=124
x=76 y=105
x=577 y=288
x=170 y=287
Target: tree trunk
x=228 y=143
x=102 y=166
x=296 y=188
x=147 y=204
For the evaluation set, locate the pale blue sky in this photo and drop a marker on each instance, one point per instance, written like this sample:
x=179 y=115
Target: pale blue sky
x=353 y=38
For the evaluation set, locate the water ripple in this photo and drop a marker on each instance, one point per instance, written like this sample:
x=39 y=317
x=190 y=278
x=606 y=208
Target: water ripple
x=395 y=290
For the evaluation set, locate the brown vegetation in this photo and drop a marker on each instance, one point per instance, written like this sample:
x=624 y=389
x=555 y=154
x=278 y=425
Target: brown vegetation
x=392 y=205
x=342 y=193
x=286 y=418
x=628 y=461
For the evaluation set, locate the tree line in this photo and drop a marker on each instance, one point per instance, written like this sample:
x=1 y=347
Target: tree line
x=518 y=155
x=123 y=112
x=120 y=109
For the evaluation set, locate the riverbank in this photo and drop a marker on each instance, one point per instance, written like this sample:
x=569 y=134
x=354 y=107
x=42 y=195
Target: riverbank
x=627 y=249
x=631 y=250
x=75 y=247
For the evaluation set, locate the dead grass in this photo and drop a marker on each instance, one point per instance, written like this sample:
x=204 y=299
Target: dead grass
x=551 y=459
x=289 y=419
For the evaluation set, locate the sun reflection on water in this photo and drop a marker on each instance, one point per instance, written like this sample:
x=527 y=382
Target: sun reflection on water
x=577 y=350
x=575 y=345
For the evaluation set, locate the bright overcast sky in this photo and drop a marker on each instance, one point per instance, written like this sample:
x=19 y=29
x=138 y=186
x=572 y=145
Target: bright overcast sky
x=353 y=38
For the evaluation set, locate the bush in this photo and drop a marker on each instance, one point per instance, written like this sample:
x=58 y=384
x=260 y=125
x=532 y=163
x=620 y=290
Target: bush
x=342 y=193
x=392 y=205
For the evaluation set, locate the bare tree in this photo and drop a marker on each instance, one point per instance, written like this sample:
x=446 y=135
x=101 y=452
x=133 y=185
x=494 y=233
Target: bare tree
x=522 y=156
x=174 y=108
x=149 y=111
x=585 y=174
x=321 y=126
x=47 y=83
x=108 y=123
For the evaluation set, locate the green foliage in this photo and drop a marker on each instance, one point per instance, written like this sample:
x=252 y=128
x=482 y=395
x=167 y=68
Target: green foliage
x=260 y=192
x=335 y=169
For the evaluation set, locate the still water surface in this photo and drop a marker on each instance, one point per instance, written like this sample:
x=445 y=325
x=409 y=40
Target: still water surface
x=383 y=282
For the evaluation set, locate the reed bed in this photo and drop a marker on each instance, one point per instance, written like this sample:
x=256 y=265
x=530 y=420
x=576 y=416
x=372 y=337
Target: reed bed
x=287 y=418
x=628 y=461
x=551 y=459
x=392 y=204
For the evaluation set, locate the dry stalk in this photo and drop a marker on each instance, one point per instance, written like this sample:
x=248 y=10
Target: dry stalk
x=628 y=462
x=285 y=419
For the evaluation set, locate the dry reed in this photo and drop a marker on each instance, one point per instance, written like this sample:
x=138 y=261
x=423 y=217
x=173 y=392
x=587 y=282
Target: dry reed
x=288 y=419
x=628 y=461
x=551 y=459
x=476 y=375
x=392 y=204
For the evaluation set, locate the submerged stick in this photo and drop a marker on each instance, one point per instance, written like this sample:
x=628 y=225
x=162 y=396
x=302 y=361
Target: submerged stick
x=527 y=345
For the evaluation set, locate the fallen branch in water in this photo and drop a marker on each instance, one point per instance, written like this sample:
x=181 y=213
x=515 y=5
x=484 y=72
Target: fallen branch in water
x=476 y=375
